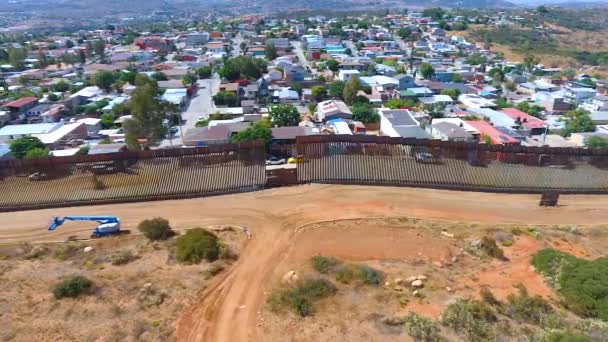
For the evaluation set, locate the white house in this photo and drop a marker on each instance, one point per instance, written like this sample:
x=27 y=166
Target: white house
x=400 y=123
x=345 y=75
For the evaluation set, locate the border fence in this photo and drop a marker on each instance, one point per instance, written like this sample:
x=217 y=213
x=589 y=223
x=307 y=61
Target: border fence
x=460 y=166
x=365 y=160
x=131 y=176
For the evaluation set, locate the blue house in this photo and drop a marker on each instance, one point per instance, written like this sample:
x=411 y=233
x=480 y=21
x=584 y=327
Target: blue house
x=405 y=81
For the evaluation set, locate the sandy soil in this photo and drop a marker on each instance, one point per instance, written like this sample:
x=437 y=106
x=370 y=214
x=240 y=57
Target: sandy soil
x=137 y=301
x=228 y=308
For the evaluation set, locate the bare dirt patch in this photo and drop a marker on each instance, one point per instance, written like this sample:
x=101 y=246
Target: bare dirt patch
x=137 y=298
x=401 y=249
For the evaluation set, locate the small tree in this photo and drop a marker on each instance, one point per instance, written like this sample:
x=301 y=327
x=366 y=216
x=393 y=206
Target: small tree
x=365 y=113
x=271 y=52
x=159 y=76
x=104 y=80
x=336 y=89
x=189 y=79
x=453 y=93
x=332 y=65
x=53 y=97
x=107 y=120
x=37 y=153
x=156 y=229
x=196 y=245
x=284 y=115
x=21 y=146
x=319 y=93
x=259 y=131
x=596 y=142
x=72 y=287
x=576 y=121
x=350 y=89
x=204 y=72
x=427 y=71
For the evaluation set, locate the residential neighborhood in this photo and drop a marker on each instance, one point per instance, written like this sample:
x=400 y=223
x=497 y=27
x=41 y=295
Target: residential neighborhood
x=401 y=75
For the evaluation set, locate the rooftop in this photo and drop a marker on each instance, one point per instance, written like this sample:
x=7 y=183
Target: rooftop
x=53 y=136
x=22 y=102
x=488 y=130
x=39 y=128
x=527 y=120
x=400 y=117
x=451 y=130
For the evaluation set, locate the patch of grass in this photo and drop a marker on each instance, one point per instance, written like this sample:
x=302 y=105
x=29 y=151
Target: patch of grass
x=422 y=328
x=66 y=251
x=226 y=253
x=98 y=184
x=122 y=258
x=156 y=229
x=529 y=309
x=582 y=284
x=323 y=264
x=36 y=252
x=357 y=273
x=489 y=247
x=517 y=231
x=565 y=337
x=470 y=318
x=196 y=245
x=72 y=287
x=507 y=243
x=299 y=298
x=215 y=269
x=488 y=297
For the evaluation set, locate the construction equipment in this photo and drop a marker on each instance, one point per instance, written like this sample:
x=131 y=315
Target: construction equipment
x=110 y=225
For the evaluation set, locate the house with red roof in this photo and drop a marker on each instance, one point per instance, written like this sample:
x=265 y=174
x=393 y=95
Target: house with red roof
x=528 y=122
x=487 y=131
x=18 y=108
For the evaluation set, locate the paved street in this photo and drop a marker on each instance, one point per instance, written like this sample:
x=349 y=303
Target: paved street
x=236 y=45
x=298 y=49
x=201 y=105
x=353 y=48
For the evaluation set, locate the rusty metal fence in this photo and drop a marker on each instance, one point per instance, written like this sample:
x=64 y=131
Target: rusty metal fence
x=131 y=176
x=436 y=164
x=366 y=160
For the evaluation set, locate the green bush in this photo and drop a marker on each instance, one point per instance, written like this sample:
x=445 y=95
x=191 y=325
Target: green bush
x=565 y=337
x=156 y=229
x=72 y=287
x=196 y=245
x=583 y=284
x=122 y=258
x=359 y=273
x=471 y=318
x=422 y=328
x=525 y=308
x=300 y=297
x=324 y=264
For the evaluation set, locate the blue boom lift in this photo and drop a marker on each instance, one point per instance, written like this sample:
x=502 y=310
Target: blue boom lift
x=110 y=225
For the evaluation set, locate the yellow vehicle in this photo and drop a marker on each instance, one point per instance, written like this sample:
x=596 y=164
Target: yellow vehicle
x=295 y=160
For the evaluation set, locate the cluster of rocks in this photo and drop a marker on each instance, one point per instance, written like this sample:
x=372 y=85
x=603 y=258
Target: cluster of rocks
x=415 y=283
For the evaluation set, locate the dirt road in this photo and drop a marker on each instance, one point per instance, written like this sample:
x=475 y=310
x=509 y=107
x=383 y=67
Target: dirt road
x=228 y=309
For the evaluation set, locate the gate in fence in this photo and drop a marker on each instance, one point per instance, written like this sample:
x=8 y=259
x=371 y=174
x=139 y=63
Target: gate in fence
x=438 y=164
x=131 y=176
